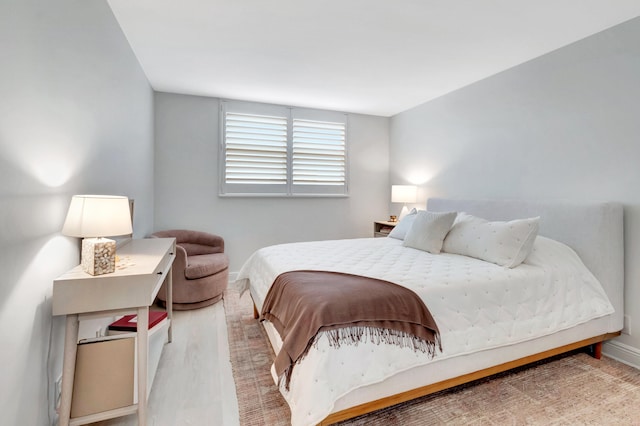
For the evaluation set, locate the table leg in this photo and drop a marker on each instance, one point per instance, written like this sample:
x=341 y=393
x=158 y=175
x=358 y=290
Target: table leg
x=143 y=358
x=68 y=368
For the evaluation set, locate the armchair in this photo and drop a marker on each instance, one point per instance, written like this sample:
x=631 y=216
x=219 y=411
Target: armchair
x=200 y=269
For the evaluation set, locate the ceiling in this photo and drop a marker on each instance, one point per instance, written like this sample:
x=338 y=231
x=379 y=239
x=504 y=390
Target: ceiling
x=377 y=57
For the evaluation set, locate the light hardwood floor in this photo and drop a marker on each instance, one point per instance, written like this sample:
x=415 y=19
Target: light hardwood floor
x=194 y=384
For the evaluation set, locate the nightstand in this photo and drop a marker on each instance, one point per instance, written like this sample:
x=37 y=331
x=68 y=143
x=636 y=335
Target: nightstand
x=381 y=228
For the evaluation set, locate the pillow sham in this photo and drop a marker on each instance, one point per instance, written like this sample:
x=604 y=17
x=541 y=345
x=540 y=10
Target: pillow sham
x=428 y=231
x=503 y=243
x=400 y=230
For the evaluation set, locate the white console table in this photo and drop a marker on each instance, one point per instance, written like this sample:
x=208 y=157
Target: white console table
x=142 y=267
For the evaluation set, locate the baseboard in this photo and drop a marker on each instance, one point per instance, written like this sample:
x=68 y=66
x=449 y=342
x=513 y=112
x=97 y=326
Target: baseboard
x=624 y=353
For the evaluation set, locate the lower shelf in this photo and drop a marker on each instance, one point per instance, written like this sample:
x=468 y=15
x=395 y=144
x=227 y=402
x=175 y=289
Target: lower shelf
x=106 y=373
x=104 y=378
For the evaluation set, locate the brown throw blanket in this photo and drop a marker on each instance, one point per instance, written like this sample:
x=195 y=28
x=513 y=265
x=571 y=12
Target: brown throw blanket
x=348 y=308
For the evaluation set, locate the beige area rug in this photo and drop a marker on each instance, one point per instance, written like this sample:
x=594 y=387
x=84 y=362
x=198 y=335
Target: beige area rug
x=569 y=390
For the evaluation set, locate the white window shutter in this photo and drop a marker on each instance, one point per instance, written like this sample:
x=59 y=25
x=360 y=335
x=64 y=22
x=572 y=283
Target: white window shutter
x=319 y=154
x=256 y=149
x=276 y=150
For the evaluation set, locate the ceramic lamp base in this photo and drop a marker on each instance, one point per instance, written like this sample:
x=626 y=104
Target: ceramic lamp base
x=98 y=256
x=403 y=212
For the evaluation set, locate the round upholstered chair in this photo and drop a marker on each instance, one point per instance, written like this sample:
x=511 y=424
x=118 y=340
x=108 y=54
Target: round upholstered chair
x=200 y=271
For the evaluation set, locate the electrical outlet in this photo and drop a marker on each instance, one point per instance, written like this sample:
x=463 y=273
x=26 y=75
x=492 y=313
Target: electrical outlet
x=58 y=392
x=626 y=327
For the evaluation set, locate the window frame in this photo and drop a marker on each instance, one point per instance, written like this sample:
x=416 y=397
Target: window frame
x=288 y=189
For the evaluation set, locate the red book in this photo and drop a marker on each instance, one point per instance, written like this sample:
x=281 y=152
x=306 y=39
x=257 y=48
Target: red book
x=130 y=322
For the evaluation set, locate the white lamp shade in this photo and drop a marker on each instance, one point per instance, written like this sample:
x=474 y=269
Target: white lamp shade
x=97 y=216
x=404 y=193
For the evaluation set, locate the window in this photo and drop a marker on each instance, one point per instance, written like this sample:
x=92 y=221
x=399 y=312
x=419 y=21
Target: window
x=275 y=150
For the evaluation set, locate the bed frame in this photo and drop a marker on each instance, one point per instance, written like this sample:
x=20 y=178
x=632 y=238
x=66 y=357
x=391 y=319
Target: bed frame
x=594 y=231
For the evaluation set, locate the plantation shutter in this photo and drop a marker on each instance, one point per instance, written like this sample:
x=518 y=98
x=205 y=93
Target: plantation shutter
x=275 y=150
x=256 y=149
x=318 y=153
x=255 y=153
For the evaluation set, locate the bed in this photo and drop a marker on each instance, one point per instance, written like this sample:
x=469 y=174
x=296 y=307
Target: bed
x=484 y=329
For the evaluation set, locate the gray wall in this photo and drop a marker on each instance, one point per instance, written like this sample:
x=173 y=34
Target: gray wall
x=563 y=126
x=186 y=191
x=76 y=116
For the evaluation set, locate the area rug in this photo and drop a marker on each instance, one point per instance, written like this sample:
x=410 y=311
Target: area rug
x=574 y=389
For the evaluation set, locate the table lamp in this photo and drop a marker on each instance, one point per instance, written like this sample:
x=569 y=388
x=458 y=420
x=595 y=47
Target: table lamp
x=404 y=194
x=93 y=217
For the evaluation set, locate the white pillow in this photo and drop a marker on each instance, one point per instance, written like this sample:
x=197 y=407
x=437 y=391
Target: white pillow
x=428 y=231
x=503 y=243
x=400 y=230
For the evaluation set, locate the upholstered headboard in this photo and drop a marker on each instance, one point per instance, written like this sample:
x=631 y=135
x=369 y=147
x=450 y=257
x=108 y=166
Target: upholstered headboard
x=594 y=231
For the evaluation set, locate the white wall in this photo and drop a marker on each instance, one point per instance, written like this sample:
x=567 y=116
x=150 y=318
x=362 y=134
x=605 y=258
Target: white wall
x=186 y=192
x=563 y=126
x=75 y=117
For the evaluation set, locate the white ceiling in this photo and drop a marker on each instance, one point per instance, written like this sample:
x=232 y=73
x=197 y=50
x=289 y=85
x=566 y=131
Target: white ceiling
x=376 y=57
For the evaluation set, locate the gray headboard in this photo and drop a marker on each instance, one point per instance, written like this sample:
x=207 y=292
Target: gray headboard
x=594 y=231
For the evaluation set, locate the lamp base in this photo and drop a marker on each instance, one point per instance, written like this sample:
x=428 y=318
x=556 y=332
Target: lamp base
x=403 y=212
x=98 y=256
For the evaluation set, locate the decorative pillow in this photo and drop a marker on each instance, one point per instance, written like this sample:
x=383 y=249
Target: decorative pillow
x=503 y=243
x=428 y=231
x=400 y=230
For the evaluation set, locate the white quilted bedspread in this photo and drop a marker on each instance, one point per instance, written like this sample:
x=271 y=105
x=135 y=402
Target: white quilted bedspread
x=477 y=305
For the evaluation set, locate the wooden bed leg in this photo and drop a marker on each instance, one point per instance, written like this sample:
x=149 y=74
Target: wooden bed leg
x=596 y=350
x=256 y=314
